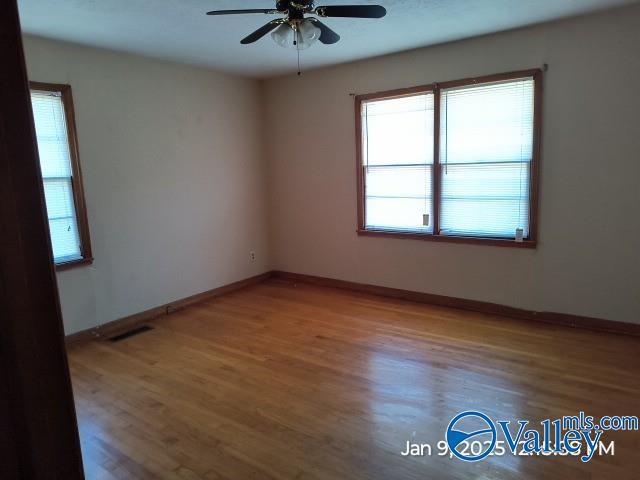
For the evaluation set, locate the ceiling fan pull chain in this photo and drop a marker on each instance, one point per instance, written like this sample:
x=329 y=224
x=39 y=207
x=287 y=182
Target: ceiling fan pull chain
x=298 y=51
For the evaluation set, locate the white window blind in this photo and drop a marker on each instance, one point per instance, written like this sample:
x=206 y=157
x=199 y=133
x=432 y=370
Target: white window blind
x=486 y=148
x=55 y=162
x=397 y=153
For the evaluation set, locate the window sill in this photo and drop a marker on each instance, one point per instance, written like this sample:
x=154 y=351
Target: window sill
x=494 y=242
x=73 y=264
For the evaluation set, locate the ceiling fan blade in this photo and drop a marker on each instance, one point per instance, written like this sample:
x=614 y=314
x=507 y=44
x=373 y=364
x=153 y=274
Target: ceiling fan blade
x=327 y=36
x=261 y=32
x=353 y=11
x=234 y=12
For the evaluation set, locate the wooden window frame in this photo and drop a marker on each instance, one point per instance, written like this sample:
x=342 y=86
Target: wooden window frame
x=76 y=173
x=435 y=88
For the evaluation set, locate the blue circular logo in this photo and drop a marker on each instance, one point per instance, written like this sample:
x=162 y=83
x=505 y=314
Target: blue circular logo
x=471 y=436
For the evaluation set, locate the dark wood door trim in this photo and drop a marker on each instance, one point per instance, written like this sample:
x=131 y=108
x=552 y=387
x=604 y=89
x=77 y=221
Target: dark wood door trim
x=38 y=414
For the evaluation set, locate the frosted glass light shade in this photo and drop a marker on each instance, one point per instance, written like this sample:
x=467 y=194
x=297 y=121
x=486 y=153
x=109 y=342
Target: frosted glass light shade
x=283 y=35
x=308 y=34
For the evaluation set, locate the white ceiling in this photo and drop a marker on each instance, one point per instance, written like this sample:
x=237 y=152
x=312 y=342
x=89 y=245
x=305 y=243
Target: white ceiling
x=179 y=29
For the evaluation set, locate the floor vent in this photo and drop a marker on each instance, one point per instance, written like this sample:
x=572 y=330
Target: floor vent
x=131 y=333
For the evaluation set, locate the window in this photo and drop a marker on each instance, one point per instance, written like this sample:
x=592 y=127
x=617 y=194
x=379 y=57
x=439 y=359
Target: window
x=57 y=146
x=455 y=161
x=398 y=155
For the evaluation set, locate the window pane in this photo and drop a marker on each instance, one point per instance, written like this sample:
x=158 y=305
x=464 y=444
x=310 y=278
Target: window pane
x=487 y=123
x=51 y=133
x=489 y=199
x=486 y=146
x=387 y=186
x=398 y=130
x=62 y=223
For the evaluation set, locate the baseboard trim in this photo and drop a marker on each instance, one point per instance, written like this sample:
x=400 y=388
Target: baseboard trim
x=116 y=326
x=575 y=321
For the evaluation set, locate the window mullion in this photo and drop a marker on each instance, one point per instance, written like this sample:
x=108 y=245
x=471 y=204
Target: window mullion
x=436 y=185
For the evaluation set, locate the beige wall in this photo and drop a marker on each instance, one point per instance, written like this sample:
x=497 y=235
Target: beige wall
x=174 y=179
x=588 y=259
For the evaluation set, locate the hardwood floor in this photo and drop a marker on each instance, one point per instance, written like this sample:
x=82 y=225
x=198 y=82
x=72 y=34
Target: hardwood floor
x=291 y=381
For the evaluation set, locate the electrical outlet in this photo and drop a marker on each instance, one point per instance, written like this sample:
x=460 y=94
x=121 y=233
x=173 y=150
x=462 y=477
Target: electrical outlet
x=252 y=256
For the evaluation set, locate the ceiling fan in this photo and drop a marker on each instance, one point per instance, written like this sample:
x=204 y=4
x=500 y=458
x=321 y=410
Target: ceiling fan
x=300 y=32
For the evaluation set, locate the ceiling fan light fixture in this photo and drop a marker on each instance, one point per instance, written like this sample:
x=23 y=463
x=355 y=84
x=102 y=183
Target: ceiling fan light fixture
x=294 y=30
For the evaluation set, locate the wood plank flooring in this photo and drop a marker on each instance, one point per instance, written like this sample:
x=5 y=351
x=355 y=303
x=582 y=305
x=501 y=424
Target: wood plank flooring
x=284 y=381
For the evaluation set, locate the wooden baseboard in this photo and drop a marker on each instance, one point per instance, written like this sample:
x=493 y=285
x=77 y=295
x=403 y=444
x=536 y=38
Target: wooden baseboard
x=597 y=324
x=116 y=326
x=564 y=319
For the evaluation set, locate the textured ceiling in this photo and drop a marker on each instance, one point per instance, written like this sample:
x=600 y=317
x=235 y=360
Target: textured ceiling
x=180 y=30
